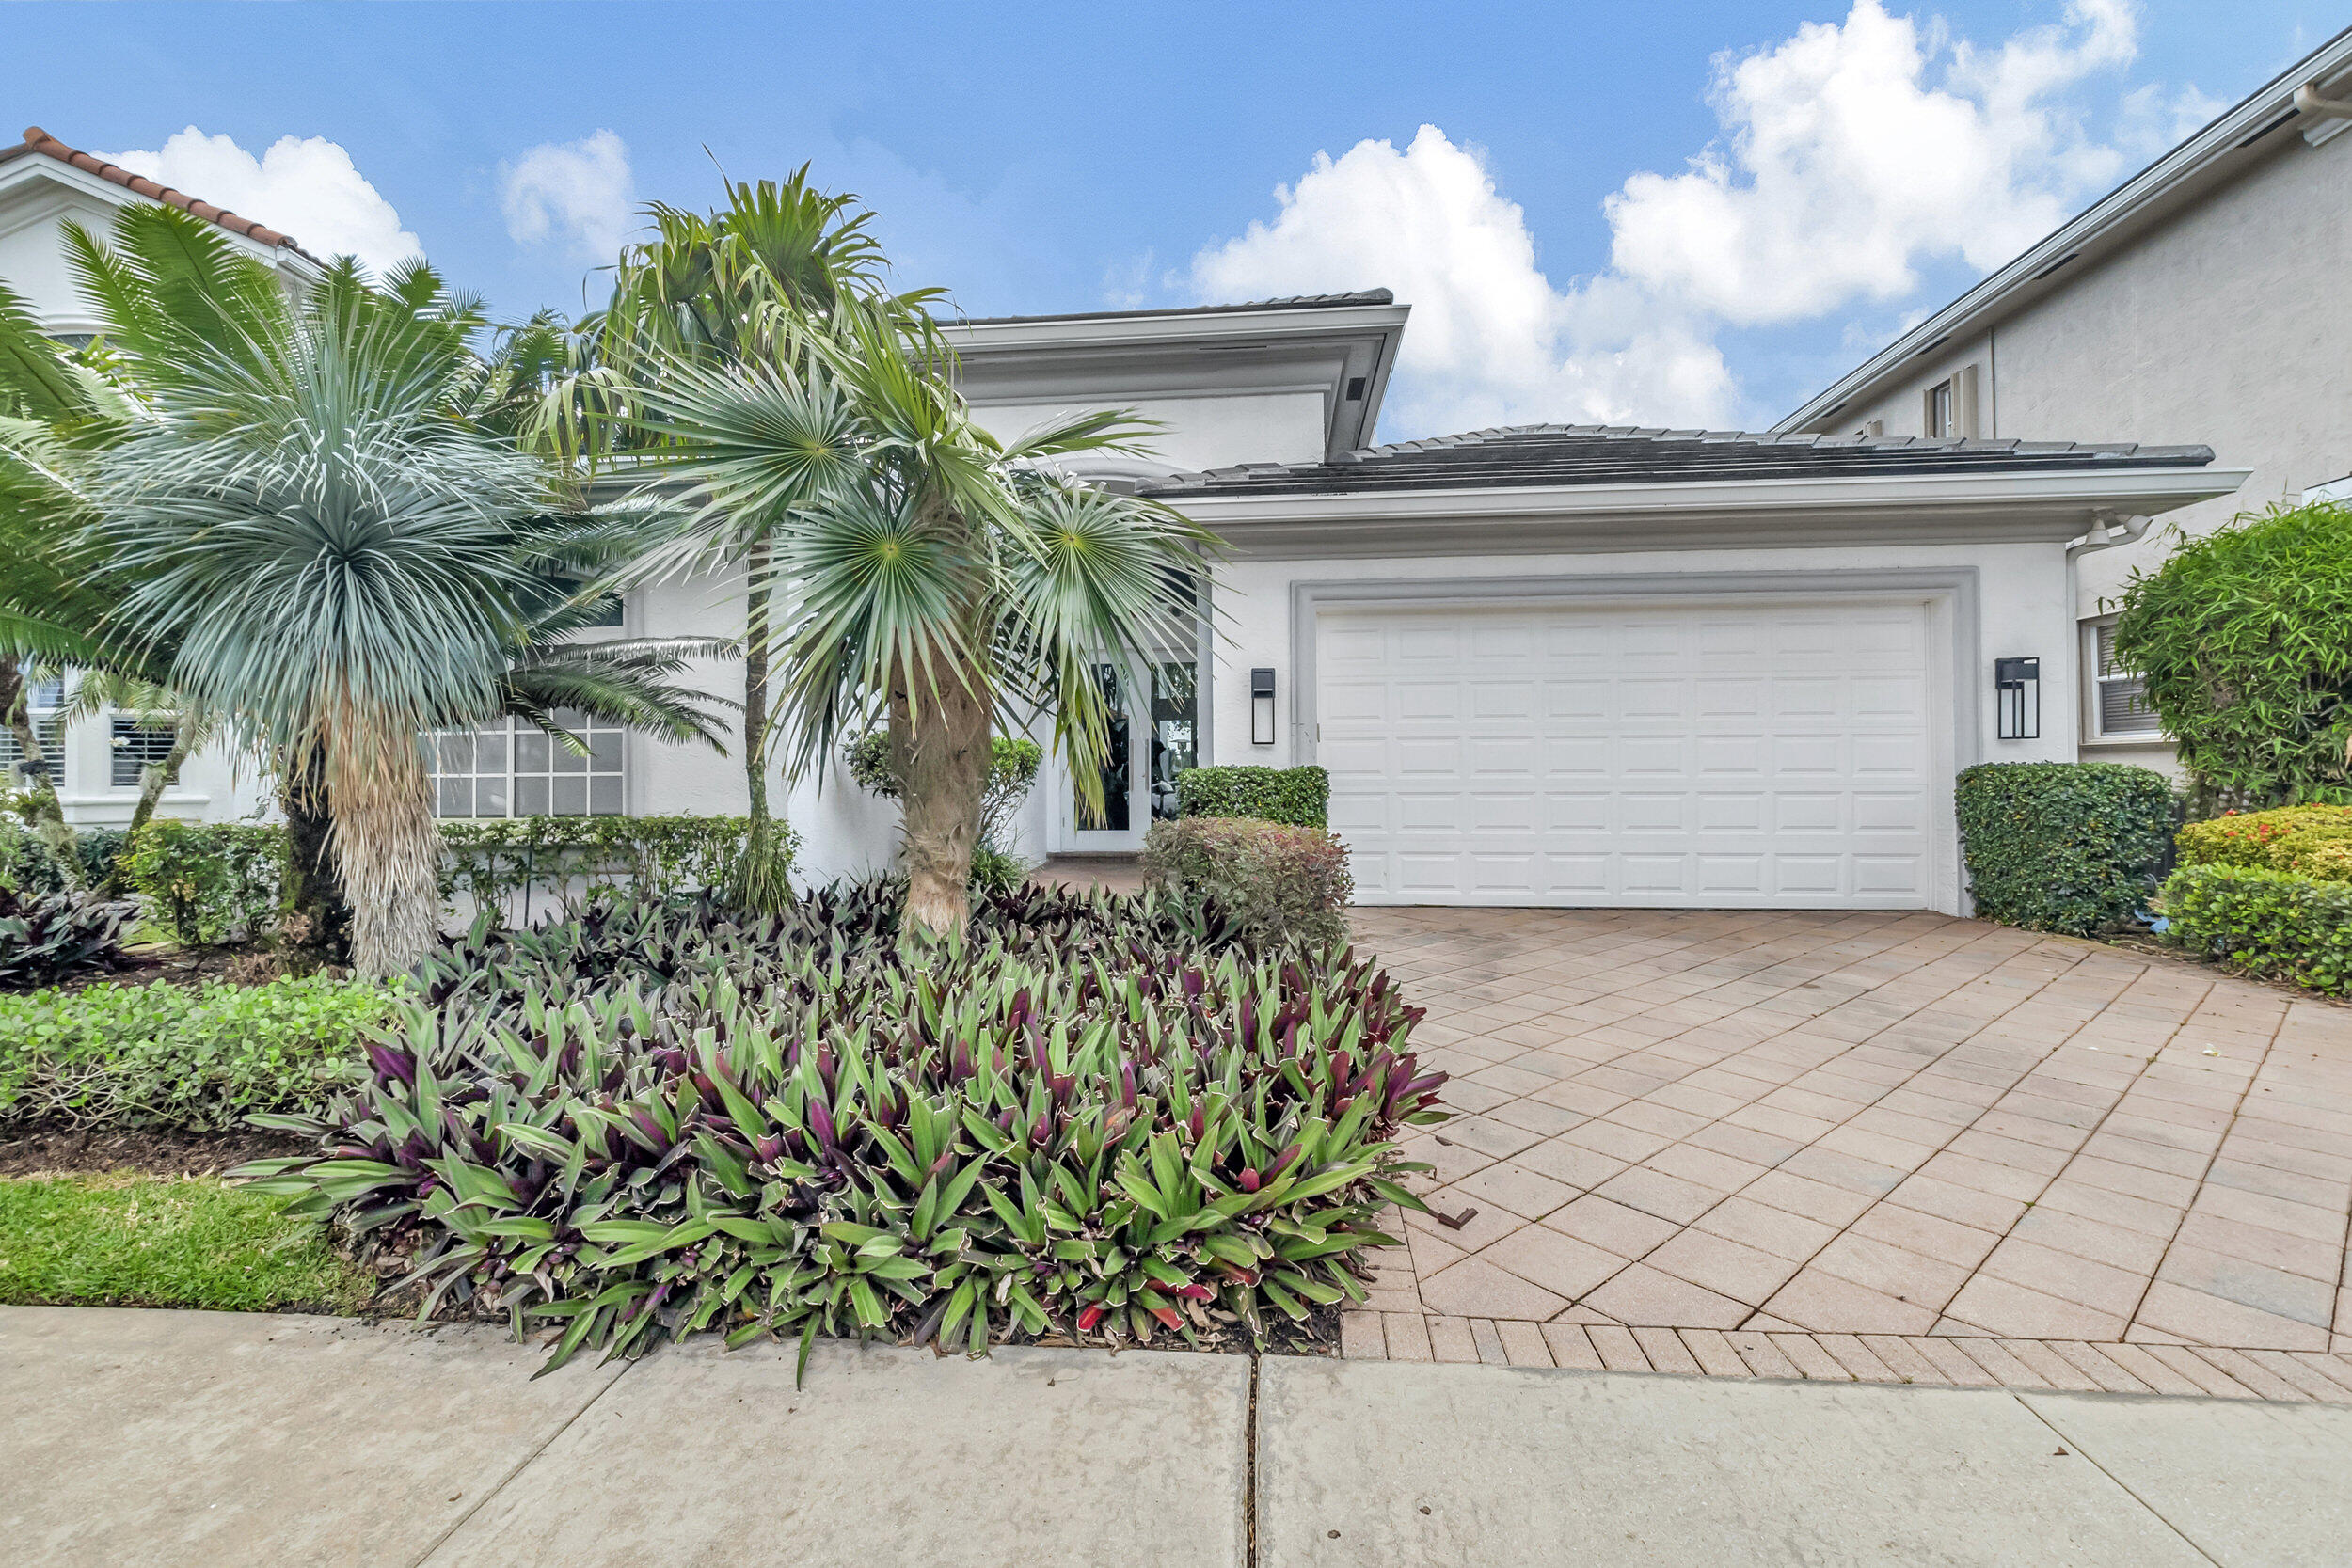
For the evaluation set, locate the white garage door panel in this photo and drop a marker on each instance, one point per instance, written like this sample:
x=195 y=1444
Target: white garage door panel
x=1705 y=755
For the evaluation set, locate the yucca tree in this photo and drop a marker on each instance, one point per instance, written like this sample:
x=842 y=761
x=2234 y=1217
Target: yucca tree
x=203 y=346
x=930 y=573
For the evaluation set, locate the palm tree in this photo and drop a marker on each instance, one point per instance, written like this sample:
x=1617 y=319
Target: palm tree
x=935 y=573
x=205 y=350
x=765 y=280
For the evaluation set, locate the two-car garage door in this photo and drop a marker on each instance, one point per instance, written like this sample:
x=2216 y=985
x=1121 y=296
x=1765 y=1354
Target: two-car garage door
x=1701 y=755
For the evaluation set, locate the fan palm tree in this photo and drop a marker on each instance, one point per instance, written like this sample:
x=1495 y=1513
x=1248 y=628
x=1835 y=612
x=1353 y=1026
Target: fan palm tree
x=765 y=280
x=934 y=573
x=306 y=517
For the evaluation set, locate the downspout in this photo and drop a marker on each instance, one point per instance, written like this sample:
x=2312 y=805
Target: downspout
x=2307 y=100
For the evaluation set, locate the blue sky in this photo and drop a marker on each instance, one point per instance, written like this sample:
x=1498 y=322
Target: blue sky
x=1859 y=161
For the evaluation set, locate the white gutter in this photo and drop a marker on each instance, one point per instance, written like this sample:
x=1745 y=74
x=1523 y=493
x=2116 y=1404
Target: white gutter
x=2123 y=491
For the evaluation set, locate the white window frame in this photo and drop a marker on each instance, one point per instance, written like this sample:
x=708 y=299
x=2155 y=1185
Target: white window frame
x=474 y=779
x=2098 y=679
x=47 y=727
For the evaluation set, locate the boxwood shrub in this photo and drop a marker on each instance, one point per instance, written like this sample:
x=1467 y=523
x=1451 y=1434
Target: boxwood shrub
x=1281 y=883
x=1095 y=1115
x=1298 y=796
x=166 y=1056
x=2069 y=847
x=2265 y=922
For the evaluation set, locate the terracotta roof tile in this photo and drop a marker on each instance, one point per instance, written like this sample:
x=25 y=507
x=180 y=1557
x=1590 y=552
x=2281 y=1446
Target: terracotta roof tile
x=37 y=140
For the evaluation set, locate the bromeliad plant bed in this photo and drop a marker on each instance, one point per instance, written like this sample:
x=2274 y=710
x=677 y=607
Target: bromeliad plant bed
x=1097 y=1118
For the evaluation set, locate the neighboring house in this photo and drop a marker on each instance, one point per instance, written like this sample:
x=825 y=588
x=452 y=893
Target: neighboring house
x=2207 y=298
x=45 y=184
x=1545 y=665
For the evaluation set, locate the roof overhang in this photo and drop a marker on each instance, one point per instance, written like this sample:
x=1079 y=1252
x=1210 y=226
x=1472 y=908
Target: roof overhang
x=1905 y=508
x=1116 y=358
x=2257 y=128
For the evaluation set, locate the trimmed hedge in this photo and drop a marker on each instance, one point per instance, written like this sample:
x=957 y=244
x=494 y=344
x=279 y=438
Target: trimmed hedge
x=1300 y=796
x=2265 y=922
x=1280 y=884
x=494 y=857
x=209 y=883
x=162 y=1055
x=28 y=864
x=2314 y=840
x=2069 y=846
x=217 y=884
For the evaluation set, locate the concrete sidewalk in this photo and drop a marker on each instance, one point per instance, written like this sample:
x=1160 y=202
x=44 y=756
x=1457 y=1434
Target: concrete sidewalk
x=181 y=1438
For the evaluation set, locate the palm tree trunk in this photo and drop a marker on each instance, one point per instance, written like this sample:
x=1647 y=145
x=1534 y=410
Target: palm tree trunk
x=318 y=919
x=47 y=813
x=386 y=845
x=939 y=749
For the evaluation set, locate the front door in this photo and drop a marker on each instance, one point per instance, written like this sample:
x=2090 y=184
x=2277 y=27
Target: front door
x=1154 y=729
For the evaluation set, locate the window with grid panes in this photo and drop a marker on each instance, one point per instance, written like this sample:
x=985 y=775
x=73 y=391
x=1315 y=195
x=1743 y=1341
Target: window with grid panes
x=2121 y=696
x=42 y=699
x=134 y=747
x=514 y=768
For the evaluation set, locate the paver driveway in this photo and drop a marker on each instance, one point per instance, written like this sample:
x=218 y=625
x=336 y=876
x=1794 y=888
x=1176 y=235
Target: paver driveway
x=1768 y=1129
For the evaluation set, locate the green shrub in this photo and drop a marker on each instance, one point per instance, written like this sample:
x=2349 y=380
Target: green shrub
x=2245 y=640
x=29 y=866
x=211 y=883
x=53 y=936
x=1093 y=1116
x=2265 y=922
x=2062 y=845
x=1281 y=883
x=121 y=1239
x=1013 y=762
x=2315 y=840
x=994 y=871
x=495 y=858
x=1298 y=796
x=162 y=1055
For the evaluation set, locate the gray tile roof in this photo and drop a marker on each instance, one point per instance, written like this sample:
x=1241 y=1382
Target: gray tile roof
x=1555 y=454
x=1289 y=302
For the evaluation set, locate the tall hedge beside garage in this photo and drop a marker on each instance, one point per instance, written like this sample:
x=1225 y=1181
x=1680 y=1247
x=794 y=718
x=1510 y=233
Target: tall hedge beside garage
x=2069 y=846
x=1300 y=796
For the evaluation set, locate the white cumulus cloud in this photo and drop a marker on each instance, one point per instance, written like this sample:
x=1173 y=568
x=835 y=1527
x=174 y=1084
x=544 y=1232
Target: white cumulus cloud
x=1849 y=156
x=1491 y=339
x=581 y=194
x=306 y=187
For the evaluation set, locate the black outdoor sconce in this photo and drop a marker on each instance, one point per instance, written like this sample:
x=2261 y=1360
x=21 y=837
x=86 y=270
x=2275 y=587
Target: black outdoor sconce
x=2017 y=685
x=1261 y=707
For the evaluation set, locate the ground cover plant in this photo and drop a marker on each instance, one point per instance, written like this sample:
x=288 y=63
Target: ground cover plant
x=1097 y=1117
x=49 y=937
x=179 y=1058
x=2062 y=845
x=122 y=1239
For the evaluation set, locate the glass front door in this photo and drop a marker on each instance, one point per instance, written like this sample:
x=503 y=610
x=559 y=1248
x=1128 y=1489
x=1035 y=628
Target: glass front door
x=1154 y=707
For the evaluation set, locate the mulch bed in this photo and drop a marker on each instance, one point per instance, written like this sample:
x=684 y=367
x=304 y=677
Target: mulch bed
x=37 y=1150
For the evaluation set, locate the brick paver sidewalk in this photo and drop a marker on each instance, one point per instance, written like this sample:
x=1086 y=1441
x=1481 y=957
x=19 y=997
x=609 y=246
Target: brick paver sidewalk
x=1897 y=1145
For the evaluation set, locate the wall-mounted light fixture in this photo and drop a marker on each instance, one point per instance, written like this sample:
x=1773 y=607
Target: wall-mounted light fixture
x=1261 y=707
x=2017 y=685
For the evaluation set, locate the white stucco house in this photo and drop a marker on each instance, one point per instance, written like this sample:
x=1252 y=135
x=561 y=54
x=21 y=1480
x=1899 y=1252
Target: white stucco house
x=2204 y=299
x=1544 y=665
x=45 y=184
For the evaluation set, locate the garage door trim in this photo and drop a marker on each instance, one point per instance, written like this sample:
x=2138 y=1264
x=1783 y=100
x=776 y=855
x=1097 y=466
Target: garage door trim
x=1956 y=587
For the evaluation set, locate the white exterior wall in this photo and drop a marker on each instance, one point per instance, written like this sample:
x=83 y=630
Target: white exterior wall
x=2227 y=324
x=1200 y=431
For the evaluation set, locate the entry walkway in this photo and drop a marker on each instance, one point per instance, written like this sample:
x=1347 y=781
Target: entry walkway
x=1897 y=1147
x=169 y=1438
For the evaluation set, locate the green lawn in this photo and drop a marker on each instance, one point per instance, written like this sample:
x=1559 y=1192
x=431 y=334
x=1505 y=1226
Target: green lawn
x=122 y=1240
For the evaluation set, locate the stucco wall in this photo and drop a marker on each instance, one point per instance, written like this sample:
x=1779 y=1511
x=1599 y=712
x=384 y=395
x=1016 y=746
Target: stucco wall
x=1202 y=432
